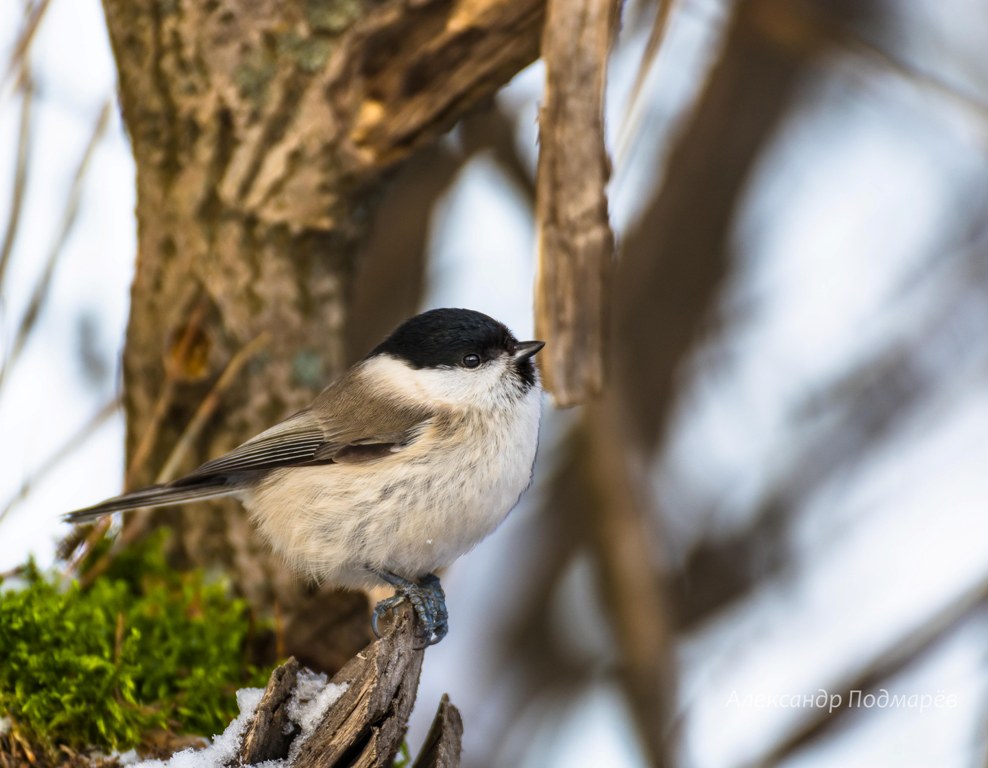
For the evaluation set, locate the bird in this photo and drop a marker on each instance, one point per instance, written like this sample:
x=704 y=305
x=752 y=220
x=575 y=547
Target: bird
x=401 y=465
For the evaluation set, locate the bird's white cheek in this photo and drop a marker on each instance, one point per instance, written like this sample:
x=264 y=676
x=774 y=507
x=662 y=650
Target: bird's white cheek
x=435 y=386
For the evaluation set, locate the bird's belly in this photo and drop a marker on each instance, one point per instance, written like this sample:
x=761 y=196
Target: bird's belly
x=407 y=514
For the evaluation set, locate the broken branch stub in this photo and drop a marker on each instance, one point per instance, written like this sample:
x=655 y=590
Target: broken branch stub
x=365 y=725
x=576 y=244
x=269 y=735
x=444 y=741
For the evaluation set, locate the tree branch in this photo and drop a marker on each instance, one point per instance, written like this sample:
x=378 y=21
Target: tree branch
x=576 y=245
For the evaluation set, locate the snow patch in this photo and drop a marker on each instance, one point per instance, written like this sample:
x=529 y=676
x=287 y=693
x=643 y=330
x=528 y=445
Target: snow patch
x=223 y=747
x=312 y=696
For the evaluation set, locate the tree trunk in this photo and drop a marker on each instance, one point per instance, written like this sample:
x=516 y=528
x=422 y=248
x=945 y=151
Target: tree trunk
x=261 y=131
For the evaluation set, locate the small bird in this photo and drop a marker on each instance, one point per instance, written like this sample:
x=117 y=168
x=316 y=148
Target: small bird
x=404 y=463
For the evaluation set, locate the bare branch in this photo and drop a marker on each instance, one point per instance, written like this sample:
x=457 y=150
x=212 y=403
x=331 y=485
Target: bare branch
x=901 y=654
x=17 y=66
x=208 y=407
x=366 y=724
x=41 y=288
x=576 y=245
x=630 y=126
x=810 y=29
x=20 y=175
x=624 y=540
x=173 y=372
x=64 y=451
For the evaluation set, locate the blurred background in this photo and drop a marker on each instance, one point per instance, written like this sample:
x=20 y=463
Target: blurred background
x=798 y=380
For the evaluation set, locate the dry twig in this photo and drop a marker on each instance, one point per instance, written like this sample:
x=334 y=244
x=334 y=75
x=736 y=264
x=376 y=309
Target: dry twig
x=66 y=450
x=20 y=175
x=17 y=65
x=69 y=215
x=630 y=127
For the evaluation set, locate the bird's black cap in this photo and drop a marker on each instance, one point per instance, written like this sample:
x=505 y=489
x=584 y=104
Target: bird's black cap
x=441 y=338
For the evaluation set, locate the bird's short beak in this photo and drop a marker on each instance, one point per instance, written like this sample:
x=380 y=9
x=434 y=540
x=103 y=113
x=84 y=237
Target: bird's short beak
x=526 y=349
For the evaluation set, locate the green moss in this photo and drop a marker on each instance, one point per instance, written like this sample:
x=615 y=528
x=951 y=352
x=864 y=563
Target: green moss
x=144 y=648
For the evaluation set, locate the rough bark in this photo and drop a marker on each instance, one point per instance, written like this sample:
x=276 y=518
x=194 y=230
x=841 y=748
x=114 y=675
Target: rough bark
x=443 y=743
x=576 y=245
x=366 y=724
x=269 y=734
x=261 y=131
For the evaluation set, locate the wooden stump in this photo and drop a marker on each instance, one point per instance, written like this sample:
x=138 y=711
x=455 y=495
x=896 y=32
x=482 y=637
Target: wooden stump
x=365 y=725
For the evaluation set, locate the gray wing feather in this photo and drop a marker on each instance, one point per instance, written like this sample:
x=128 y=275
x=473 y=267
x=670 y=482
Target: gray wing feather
x=296 y=440
x=348 y=429
x=155 y=496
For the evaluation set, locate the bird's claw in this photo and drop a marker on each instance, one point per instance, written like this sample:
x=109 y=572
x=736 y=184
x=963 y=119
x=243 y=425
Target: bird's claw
x=383 y=607
x=427 y=600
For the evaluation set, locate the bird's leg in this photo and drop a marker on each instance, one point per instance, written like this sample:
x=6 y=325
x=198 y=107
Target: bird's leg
x=427 y=599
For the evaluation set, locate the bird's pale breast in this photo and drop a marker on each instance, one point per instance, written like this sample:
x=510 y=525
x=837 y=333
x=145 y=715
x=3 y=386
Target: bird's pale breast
x=411 y=513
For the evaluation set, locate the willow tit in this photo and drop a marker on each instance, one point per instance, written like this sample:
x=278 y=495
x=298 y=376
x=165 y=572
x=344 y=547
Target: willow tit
x=396 y=469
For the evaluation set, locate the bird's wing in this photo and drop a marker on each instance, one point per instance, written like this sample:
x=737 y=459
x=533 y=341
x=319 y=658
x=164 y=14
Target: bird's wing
x=295 y=440
x=369 y=431
x=343 y=431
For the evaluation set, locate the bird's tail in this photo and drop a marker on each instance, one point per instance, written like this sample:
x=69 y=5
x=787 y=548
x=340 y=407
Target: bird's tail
x=154 y=496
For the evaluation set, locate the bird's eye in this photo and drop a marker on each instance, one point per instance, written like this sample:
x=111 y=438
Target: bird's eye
x=471 y=361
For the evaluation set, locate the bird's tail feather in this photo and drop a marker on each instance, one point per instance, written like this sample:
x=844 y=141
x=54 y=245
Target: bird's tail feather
x=154 y=496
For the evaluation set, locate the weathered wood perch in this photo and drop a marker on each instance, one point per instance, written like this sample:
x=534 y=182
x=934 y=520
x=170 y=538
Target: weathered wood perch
x=366 y=724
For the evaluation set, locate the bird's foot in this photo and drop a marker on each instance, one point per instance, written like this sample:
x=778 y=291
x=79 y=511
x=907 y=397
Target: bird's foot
x=427 y=600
